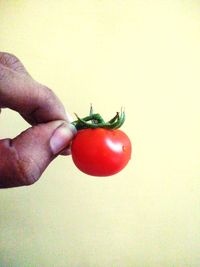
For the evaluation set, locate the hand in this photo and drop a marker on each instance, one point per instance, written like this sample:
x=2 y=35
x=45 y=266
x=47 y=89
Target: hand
x=24 y=158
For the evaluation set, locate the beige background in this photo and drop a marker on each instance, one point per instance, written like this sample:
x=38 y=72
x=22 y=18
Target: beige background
x=144 y=55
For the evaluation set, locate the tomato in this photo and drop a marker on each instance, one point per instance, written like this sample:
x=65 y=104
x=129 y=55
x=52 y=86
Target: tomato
x=101 y=152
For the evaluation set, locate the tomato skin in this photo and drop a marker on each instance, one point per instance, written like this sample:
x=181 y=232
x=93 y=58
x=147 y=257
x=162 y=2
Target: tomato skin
x=101 y=152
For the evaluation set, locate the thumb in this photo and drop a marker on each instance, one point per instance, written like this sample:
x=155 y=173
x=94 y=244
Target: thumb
x=24 y=158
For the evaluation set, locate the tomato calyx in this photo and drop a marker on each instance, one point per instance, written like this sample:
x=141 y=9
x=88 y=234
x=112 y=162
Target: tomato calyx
x=95 y=120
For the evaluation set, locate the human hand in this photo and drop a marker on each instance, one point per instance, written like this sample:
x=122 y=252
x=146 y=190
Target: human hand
x=24 y=158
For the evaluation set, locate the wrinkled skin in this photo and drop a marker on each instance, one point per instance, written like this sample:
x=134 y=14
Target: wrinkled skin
x=24 y=158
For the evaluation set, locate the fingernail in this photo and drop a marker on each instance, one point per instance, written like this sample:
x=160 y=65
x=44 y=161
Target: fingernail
x=62 y=137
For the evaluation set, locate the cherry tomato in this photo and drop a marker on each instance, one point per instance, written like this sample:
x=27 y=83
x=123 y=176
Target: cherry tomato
x=101 y=152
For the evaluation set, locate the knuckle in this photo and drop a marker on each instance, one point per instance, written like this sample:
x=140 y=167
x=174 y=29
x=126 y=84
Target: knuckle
x=50 y=97
x=23 y=170
x=25 y=173
x=49 y=94
x=11 y=61
x=2 y=72
x=45 y=94
x=52 y=100
x=22 y=175
x=8 y=58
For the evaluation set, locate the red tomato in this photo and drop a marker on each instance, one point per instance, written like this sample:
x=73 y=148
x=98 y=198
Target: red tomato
x=101 y=152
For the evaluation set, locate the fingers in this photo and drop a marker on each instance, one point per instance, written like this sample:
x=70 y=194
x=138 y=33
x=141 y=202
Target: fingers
x=12 y=62
x=35 y=102
x=24 y=158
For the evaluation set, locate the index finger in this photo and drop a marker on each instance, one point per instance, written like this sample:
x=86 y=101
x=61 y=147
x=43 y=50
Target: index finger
x=35 y=102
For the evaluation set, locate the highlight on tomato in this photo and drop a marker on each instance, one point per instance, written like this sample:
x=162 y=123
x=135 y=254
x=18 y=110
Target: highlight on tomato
x=100 y=148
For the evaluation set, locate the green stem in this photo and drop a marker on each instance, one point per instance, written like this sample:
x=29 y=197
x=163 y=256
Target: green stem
x=94 y=121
